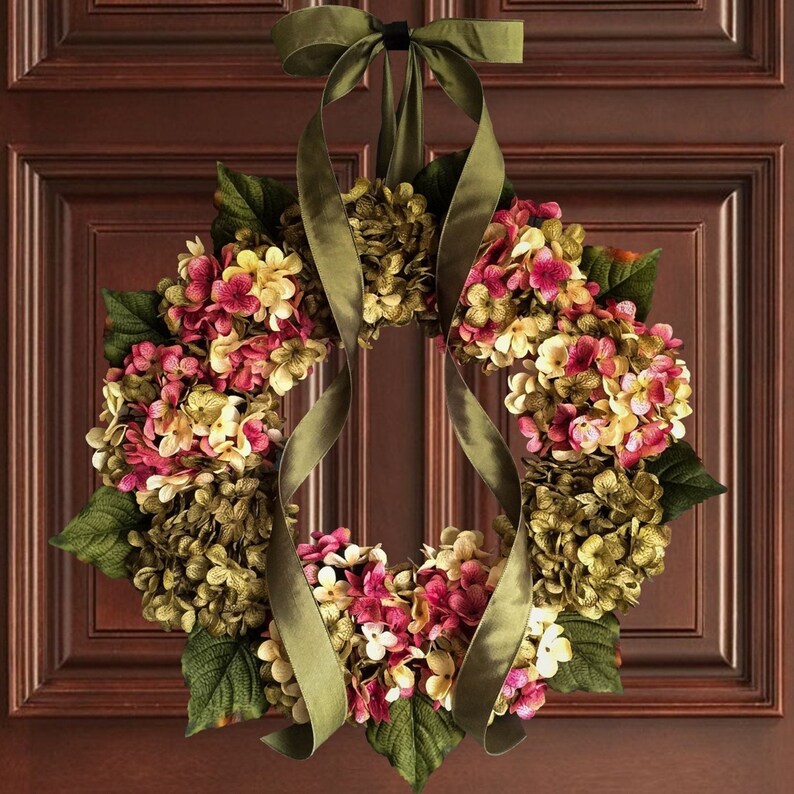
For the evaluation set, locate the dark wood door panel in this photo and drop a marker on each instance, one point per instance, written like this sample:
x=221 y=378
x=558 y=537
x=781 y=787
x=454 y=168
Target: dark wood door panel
x=225 y=43
x=82 y=220
x=635 y=42
x=707 y=638
x=104 y=186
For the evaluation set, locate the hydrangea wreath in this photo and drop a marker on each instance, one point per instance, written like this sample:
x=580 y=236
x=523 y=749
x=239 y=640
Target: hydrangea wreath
x=191 y=437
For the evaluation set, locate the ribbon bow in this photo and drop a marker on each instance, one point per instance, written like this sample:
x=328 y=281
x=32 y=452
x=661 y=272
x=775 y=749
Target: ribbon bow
x=341 y=42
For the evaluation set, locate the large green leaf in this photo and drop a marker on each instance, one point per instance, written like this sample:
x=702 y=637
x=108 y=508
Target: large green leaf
x=439 y=178
x=685 y=481
x=622 y=275
x=416 y=740
x=593 y=667
x=98 y=533
x=132 y=317
x=222 y=675
x=250 y=202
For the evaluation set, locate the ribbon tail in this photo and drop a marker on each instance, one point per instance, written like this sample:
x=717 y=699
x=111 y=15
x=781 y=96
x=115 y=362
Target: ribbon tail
x=501 y=630
x=499 y=635
x=408 y=156
x=388 y=124
x=314 y=661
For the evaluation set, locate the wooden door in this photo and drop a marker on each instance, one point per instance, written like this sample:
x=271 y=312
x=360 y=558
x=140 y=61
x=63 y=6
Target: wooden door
x=652 y=122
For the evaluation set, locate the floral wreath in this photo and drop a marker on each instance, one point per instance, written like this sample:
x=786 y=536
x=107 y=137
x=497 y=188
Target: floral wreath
x=194 y=508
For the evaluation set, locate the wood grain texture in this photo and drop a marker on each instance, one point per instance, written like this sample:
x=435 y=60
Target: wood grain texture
x=145 y=43
x=654 y=122
x=101 y=218
x=707 y=641
x=595 y=43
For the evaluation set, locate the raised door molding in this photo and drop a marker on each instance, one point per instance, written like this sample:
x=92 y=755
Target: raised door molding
x=117 y=44
x=80 y=219
x=618 y=43
x=707 y=641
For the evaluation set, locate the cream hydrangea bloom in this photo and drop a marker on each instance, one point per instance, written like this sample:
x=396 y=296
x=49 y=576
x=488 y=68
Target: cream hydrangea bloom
x=273 y=651
x=299 y=712
x=532 y=239
x=518 y=337
x=439 y=685
x=553 y=355
x=178 y=435
x=220 y=349
x=521 y=385
x=329 y=591
x=292 y=361
x=456 y=548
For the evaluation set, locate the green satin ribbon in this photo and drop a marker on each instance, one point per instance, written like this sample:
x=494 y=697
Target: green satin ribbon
x=341 y=42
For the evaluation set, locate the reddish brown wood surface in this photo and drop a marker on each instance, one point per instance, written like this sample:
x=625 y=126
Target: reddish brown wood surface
x=653 y=122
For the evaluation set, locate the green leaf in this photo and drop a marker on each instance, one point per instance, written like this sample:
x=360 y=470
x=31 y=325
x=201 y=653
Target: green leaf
x=98 y=533
x=685 y=481
x=222 y=675
x=416 y=740
x=132 y=317
x=439 y=178
x=622 y=275
x=251 y=202
x=593 y=667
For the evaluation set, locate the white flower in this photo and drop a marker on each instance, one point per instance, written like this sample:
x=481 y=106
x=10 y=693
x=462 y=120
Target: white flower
x=378 y=640
x=540 y=618
x=552 y=649
x=353 y=555
x=403 y=678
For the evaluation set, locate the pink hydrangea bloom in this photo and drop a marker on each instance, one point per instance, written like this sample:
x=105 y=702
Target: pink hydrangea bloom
x=665 y=333
x=177 y=368
x=326 y=543
x=560 y=425
x=145 y=356
x=529 y=428
x=468 y=603
x=233 y=295
x=544 y=210
x=257 y=436
x=489 y=275
x=202 y=273
x=585 y=432
x=547 y=273
x=645 y=441
x=532 y=697
x=581 y=355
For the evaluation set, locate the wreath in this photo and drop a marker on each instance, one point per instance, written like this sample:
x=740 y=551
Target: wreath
x=197 y=475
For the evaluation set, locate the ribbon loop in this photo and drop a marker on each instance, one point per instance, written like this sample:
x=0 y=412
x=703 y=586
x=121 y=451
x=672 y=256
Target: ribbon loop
x=341 y=42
